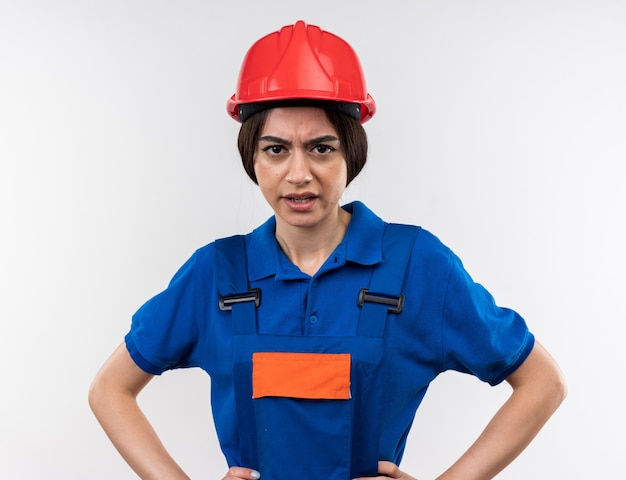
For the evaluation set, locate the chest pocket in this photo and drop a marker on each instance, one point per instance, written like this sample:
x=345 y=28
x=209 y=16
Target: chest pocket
x=313 y=376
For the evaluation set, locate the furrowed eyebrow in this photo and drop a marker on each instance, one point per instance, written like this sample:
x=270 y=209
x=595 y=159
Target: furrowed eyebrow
x=272 y=139
x=311 y=142
x=322 y=139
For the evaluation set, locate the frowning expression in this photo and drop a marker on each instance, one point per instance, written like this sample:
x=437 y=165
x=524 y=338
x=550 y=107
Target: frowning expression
x=300 y=167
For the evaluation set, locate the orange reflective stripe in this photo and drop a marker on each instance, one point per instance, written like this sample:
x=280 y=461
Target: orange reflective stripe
x=301 y=375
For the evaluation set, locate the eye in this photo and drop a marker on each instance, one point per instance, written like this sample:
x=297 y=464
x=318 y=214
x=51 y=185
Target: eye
x=274 y=149
x=323 y=149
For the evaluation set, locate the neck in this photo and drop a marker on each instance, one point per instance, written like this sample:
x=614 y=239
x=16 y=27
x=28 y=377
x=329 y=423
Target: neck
x=309 y=247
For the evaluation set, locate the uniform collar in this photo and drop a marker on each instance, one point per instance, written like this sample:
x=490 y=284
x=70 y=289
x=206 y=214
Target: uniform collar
x=362 y=244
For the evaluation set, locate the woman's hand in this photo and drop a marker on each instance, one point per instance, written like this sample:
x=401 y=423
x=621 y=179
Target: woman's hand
x=386 y=469
x=240 y=473
x=390 y=470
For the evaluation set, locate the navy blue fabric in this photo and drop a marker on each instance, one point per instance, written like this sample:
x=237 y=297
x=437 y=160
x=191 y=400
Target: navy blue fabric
x=449 y=321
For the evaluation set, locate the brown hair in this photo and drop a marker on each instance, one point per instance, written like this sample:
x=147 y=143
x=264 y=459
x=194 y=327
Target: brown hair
x=350 y=131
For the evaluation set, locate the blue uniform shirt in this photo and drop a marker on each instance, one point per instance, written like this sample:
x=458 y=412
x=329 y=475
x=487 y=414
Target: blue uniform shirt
x=449 y=322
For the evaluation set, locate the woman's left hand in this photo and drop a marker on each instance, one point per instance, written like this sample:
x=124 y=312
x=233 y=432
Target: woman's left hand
x=390 y=470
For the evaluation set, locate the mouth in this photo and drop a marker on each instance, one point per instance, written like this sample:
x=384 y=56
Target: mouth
x=302 y=202
x=300 y=199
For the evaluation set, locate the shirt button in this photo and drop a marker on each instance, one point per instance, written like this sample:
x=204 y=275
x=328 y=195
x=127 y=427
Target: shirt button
x=314 y=283
x=313 y=319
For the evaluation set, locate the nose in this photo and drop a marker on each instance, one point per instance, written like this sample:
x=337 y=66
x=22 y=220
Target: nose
x=299 y=170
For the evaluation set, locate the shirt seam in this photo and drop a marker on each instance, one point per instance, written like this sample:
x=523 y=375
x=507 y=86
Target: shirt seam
x=443 y=312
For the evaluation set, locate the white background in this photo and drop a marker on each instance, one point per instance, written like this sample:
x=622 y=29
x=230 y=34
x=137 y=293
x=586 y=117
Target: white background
x=501 y=127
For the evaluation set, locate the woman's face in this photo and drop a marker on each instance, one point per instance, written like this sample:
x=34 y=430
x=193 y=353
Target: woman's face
x=300 y=167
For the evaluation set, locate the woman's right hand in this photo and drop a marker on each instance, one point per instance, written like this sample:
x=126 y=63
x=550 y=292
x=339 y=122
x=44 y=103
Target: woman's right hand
x=241 y=473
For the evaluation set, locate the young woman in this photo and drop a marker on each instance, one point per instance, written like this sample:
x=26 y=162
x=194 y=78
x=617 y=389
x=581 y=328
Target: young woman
x=322 y=329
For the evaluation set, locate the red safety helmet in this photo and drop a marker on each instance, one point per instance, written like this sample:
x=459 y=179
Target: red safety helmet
x=301 y=64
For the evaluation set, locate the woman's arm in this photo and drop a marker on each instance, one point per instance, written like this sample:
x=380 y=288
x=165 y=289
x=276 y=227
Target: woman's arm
x=113 y=399
x=538 y=390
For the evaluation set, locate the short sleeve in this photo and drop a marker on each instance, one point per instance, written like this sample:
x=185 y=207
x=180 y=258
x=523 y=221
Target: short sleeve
x=479 y=337
x=164 y=333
